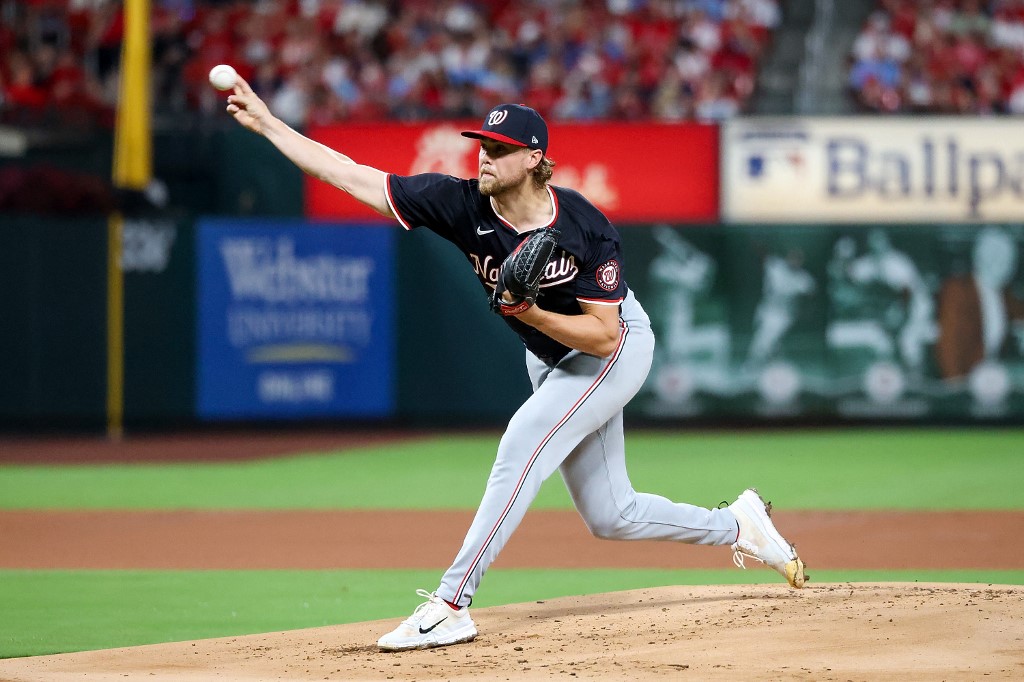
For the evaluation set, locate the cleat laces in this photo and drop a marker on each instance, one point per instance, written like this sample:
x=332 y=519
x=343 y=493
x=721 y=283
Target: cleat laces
x=741 y=549
x=417 y=614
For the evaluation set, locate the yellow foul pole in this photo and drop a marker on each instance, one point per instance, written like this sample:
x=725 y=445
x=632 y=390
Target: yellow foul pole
x=132 y=170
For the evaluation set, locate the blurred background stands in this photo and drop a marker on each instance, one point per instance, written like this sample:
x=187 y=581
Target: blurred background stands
x=324 y=61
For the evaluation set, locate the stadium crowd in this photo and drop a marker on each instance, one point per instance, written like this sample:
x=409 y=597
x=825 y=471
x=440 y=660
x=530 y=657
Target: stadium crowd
x=319 y=61
x=941 y=57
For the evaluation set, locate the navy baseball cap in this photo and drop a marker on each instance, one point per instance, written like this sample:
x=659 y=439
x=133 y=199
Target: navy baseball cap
x=515 y=124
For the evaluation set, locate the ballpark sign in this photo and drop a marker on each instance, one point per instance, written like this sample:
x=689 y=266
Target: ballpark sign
x=630 y=171
x=294 y=320
x=847 y=170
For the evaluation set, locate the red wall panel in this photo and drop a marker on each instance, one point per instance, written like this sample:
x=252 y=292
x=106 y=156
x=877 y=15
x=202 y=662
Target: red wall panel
x=632 y=172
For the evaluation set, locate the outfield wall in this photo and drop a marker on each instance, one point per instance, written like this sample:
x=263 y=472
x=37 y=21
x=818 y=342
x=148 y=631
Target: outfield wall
x=872 y=314
x=828 y=323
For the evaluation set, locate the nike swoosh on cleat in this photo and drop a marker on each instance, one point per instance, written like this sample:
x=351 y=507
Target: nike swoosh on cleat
x=423 y=632
x=480 y=231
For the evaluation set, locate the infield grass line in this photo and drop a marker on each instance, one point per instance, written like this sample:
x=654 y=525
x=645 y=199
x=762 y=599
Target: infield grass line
x=925 y=469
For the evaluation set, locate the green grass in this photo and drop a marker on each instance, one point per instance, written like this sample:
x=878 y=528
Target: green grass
x=828 y=469
x=61 y=611
x=58 y=611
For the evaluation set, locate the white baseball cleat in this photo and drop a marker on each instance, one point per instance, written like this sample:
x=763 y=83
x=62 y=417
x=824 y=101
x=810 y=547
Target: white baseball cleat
x=759 y=540
x=432 y=624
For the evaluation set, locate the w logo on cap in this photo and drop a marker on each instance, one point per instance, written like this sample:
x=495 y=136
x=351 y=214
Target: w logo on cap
x=514 y=124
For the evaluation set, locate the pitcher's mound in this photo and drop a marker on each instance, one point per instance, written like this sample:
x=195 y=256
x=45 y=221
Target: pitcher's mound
x=888 y=631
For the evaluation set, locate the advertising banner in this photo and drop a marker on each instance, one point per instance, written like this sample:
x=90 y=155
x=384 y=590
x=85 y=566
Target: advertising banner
x=851 y=170
x=632 y=172
x=884 y=322
x=294 y=320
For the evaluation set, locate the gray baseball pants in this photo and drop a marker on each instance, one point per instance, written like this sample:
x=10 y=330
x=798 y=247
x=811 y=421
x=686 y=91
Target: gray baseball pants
x=573 y=423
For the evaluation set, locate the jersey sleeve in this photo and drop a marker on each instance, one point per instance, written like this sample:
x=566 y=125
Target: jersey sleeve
x=431 y=200
x=601 y=280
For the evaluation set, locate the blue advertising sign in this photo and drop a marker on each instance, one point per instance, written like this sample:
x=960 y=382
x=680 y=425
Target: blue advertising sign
x=295 y=320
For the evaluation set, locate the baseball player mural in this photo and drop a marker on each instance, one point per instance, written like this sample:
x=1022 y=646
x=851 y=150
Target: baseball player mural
x=551 y=263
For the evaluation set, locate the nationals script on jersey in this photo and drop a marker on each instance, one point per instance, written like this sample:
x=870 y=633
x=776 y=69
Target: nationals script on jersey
x=586 y=266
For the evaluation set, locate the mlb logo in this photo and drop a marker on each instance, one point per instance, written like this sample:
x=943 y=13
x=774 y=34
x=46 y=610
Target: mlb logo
x=775 y=165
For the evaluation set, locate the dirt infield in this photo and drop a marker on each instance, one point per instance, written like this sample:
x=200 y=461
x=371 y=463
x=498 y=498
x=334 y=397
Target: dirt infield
x=382 y=539
x=825 y=632
x=837 y=632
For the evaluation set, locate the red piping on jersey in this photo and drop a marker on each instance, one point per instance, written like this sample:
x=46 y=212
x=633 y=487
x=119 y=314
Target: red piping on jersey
x=391 y=203
x=624 y=330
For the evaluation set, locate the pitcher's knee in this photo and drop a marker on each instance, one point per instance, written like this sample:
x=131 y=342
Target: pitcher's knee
x=614 y=526
x=611 y=529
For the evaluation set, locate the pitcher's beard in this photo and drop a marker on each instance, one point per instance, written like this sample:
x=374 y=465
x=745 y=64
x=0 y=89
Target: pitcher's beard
x=491 y=186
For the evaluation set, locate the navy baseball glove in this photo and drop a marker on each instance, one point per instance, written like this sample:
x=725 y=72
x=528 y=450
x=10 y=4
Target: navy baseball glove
x=522 y=270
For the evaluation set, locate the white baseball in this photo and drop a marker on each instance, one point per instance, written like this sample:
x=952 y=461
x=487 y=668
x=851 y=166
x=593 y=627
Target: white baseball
x=223 y=77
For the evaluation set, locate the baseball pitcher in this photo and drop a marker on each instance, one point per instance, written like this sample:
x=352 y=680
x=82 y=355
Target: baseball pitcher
x=552 y=266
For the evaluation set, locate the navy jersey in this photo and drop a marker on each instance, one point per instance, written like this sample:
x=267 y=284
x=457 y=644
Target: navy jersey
x=586 y=266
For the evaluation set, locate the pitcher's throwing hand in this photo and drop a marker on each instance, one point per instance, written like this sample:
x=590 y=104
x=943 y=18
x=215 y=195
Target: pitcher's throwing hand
x=247 y=108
